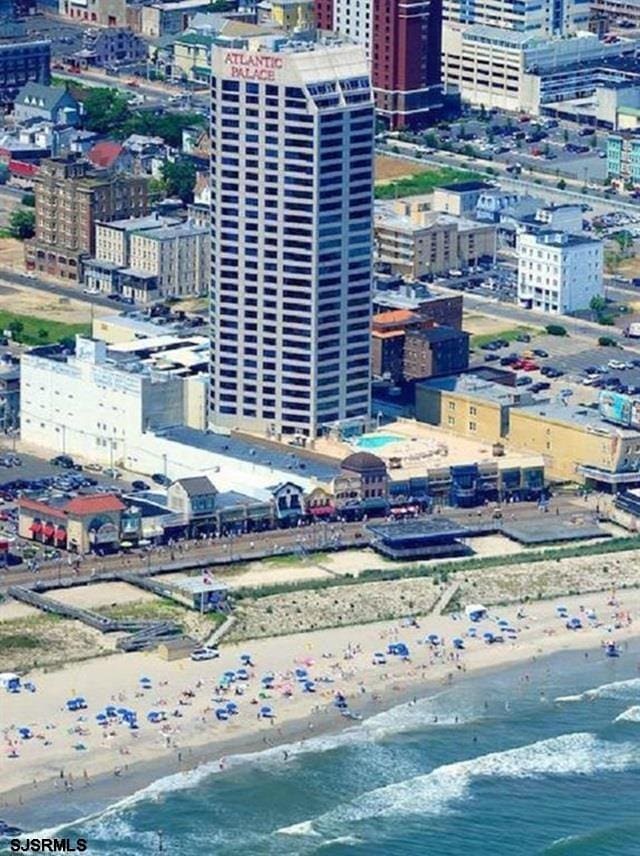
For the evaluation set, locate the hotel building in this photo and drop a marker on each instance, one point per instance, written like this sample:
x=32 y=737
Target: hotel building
x=292 y=126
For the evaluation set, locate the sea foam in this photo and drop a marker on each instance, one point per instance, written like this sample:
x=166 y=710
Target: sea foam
x=616 y=689
x=631 y=714
x=435 y=793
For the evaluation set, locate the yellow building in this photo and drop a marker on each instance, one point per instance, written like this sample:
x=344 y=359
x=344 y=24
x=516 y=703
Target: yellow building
x=192 y=57
x=468 y=406
x=293 y=14
x=414 y=241
x=576 y=444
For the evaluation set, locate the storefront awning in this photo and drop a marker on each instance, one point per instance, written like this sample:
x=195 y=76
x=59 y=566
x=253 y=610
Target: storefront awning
x=36 y=527
x=321 y=510
x=61 y=534
x=48 y=530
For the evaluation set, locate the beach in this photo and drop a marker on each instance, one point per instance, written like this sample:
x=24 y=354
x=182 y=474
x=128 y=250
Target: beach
x=83 y=762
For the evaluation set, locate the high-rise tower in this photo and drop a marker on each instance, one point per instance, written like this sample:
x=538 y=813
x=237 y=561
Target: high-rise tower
x=292 y=130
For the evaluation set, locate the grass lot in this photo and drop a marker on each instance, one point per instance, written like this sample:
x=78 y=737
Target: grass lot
x=294 y=559
x=423 y=182
x=152 y=610
x=507 y=335
x=40 y=331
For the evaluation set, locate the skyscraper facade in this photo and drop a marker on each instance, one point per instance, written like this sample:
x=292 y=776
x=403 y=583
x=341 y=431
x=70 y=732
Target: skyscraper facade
x=292 y=127
x=403 y=41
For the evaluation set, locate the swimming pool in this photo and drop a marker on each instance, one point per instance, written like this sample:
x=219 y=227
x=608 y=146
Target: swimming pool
x=377 y=441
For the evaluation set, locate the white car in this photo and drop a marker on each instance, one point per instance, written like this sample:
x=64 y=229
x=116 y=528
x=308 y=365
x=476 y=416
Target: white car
x=616 y=364
x=204 y=654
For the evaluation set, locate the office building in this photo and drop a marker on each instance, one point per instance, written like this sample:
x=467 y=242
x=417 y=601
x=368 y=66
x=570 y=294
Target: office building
x=536 y=17
x=402 y=39
x=612 y=12
x=70 y=198
x=558 y=272
x=414 y=241
x=291 y=214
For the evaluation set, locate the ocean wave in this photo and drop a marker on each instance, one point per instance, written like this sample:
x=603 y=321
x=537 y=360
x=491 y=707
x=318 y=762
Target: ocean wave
x=616 y=689
x=631 y=714
x=434 y=793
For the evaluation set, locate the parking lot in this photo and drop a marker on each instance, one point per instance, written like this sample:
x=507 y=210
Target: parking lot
x=573 y=361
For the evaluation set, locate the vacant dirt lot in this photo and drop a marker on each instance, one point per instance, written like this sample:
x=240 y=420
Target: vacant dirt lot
x=390 y=168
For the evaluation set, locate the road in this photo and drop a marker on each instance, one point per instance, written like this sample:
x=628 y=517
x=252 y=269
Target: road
x=153 y=91
x=12 y=278
x=543 y=185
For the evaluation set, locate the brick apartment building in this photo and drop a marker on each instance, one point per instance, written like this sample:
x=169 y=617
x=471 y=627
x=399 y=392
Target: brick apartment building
x=70 y=197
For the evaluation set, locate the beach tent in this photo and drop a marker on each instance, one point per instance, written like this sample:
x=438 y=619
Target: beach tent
x=433 y=639
x=458 y=643
x=242 y=675
x=266 y=712
x=379 y=659
x=488 y=636
x=25 y=733
x=475 y=611
x=10 y=682
x=222 y=714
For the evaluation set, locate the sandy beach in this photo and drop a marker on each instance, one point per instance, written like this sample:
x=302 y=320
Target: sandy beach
x=70 y=752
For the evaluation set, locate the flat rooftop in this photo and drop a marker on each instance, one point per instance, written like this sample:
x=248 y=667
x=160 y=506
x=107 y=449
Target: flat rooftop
x=578 y=416
x=428 y=529
x=294 y=461
x=475 y=387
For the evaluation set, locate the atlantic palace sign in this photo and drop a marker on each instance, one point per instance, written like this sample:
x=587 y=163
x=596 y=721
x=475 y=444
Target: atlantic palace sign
x=247 y=65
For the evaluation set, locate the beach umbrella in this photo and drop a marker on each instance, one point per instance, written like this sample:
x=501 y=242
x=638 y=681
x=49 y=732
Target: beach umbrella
x=309 y=687
x=301 y=673
x=232 y=707
x=242 y=675
x=111 y=710
x=229 y=675
x=72 y=704
x=433 y=639
x=101 y=717
x=246 y=659
x=144 y=680
x=458 y=643
x=222 y=714
x=25 y=733
x=502 y=622
x=266 y=712
x=488 y=636
x=472 y=632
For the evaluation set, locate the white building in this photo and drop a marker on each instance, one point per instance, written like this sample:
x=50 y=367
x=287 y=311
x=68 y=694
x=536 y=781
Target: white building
x=519 y=70
x=557 y=272
x=88 y=406
x=536 y=17
x=113 y=239
x=292 y=130
x=352 y=18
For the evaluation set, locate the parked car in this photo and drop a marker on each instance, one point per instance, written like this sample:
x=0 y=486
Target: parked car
x=616 y=364
x=112 y=473
x=204 y=654
x=540 y=352
x=161 y=479
x=64 y=461
x=138 y=484
x=524 y=380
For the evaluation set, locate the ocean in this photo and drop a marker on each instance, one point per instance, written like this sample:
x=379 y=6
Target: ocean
x=538 y=759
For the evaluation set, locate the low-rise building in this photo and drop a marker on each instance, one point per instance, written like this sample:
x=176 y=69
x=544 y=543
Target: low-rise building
x=113 y=239
x=388 y=332
x=459 y=199
x=469 y=406
x=84 y=524
x=577 y=444
x=435 y=351
x=166 y=19
x=22 y=60
x=414 y=241
x=111 y=46
x=394 y=293
x=104 y=13
x=623 y=157
x=557 y=272
x=53 y=104
x=178 y=256
x=192 y=57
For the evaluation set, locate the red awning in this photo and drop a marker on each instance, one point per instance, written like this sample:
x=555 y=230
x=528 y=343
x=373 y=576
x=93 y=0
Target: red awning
x=61 y=534
x=48 y=530
x=321 y=510
x=36 y=527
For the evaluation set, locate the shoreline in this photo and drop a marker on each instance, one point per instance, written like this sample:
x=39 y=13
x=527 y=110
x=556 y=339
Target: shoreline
x=48 y=771
x=23 y=804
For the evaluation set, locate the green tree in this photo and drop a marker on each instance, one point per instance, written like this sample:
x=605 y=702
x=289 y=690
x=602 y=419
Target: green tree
x=16 y=327
x=22 y=223
x=597 y=303
x=561 y=185
x=565 y=135
x=179 y=178
x=168 y=126
x=556 y=330
x=29 y=200
x=105 y=110
x=624 y=240
x=43 y=334
x=607 y=342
